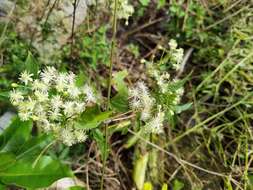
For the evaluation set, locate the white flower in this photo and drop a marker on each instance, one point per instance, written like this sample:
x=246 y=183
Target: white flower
x=80 y=135
x=135 y=104
x=178 y=56
x=26 y=77
x=156 y=124
x=90 y=97
x=69 y=108
x=41 y=96
x=73 y=91
x=180 y=91
x=16 y=97
x=24 y=116
x=55 y=114
x=79 y=107
x=67 y=137
x=38 y=85
x=143 y=87
x=45 y=125
x=40 y=112
x=61 y=82
x=145 y=114
x=173 y=44
x=124 y=10
x=48 y=75
x=70 y=78
x=163 y=81
x=56 y=102
x=27 y=106
x=134 y=92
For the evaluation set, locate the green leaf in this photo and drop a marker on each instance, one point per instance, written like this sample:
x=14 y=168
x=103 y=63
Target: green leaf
x=92 y=118
x=165 y=187
x=2 y=187
x=228 y=184
x=181 y=108
x=102 y=144
x=119 y=127
x=118 y=81
x=43 y=174
x=250 y=180
x=144 y=2
x=147 y=186
x=161 y=3
x=139 y=172
x=31 y=65
x=4 y=96
x=15 y=135
x=33 y=146
x=120 y=102
x=178 y=185
x=133 y=139
x=7 y=159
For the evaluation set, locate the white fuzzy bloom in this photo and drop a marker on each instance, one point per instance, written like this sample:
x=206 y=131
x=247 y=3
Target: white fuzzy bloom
x=67 y=136
x=48 y=75
x=79 y=107
x=26 y=77
x=163 y=82
x=178 y=55
x=141 y=100
x=41 y=96
x=173 y=44
x=55 y=114
x=142 y=88
x=155 y=125
x=73 y=91
x=38 y=85
x=16 y=97
x=39 y=113
x=27 y=106
x=61 y=82
x=124 y=9
x=69 y=108
x=90 y=96
x=180 y=91
x=70 y=78
x=80 y=135
x=25 y=116
x=56 y=102
x=135 y=104
x=145 y=114
x=134 y=92
x=45 y=125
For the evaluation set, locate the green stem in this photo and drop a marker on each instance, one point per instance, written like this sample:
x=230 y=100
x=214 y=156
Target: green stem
x=114 y=26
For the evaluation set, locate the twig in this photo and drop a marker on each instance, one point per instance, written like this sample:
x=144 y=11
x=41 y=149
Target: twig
x=143 y=26
x=114 y=27
x=73 y=26
x=185 y=60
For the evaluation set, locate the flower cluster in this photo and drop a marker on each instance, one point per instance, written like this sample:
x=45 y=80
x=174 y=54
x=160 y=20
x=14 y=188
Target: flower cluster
x=53 y=102
x=124 y=10
x=176 y=54
x=143 y=102
x=152 y=110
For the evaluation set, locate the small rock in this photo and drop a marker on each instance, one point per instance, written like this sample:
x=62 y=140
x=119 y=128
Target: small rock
x=5 y=120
